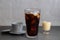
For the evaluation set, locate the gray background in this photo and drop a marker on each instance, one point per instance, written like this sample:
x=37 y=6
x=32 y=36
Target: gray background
x=13 y=10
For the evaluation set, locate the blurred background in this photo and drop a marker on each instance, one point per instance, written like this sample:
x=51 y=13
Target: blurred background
x=13 y=11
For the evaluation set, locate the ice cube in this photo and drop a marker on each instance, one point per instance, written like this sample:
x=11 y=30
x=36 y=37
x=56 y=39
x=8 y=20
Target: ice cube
x=33 y=21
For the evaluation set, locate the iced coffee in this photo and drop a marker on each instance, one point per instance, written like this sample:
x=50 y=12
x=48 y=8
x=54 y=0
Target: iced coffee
x=32 y=22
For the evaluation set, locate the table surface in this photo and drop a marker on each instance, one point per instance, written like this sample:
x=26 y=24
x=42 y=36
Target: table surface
x=54 y=35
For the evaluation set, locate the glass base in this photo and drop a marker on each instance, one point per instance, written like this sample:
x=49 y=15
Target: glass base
x=46 y=32
x=30 y=36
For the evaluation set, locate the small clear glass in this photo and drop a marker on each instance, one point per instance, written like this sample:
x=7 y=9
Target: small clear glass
x=46 y=27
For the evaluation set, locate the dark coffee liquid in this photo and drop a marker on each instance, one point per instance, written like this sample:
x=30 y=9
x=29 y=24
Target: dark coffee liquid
x=32 y=22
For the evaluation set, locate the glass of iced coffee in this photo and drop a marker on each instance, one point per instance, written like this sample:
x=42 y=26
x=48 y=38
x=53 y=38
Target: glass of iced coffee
x=32 y=17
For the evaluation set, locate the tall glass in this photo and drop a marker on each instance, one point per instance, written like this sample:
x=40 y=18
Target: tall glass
x=32 y=16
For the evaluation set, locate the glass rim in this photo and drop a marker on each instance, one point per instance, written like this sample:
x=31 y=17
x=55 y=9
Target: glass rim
x=29 y=9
